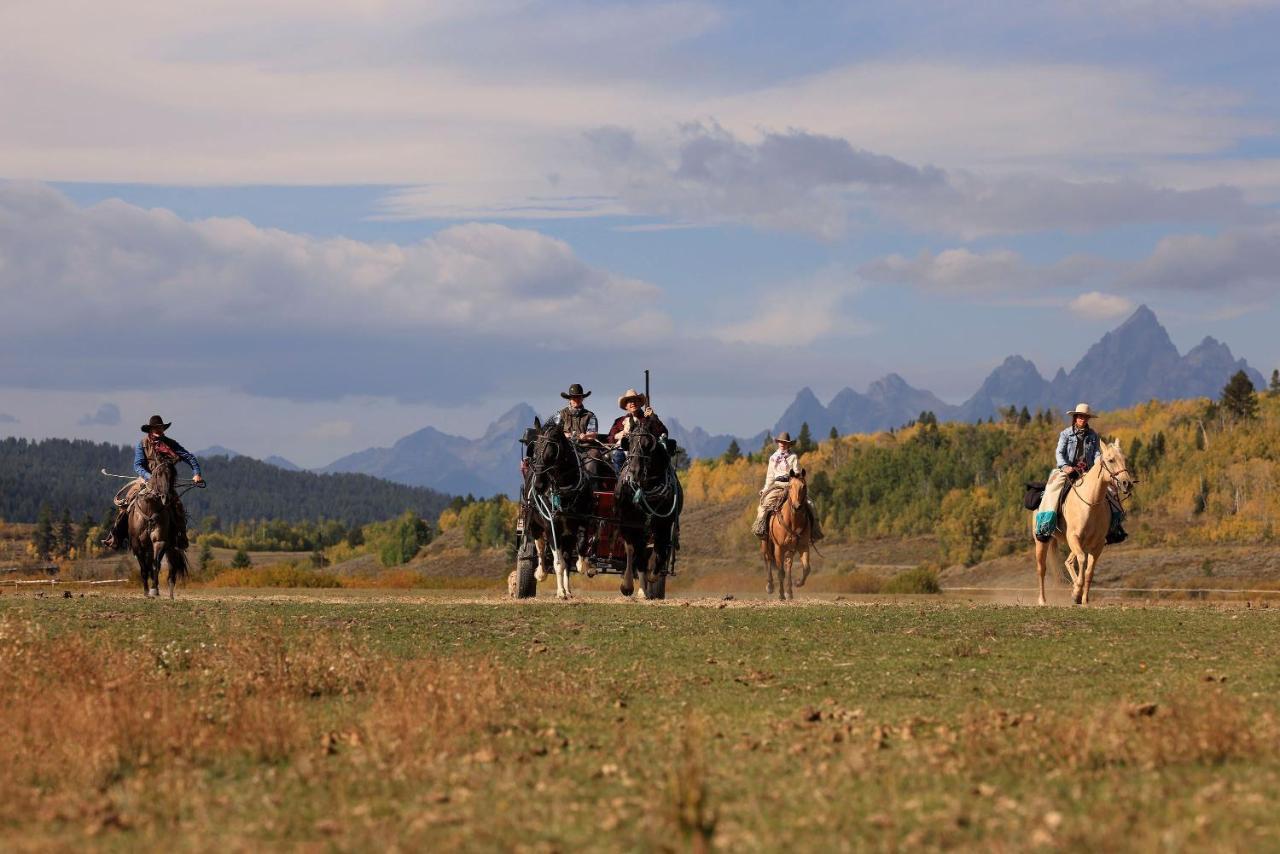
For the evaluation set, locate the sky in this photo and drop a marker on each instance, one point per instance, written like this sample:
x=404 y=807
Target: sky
x=306 y=227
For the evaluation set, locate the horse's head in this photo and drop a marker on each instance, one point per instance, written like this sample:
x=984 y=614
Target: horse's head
x=161 y=482
x=551 y=456
x=797 y=489
x=1115 y=469
x=647 y=458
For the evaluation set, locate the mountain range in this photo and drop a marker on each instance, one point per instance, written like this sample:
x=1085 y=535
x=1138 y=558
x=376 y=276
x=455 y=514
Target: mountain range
x=1133 y=363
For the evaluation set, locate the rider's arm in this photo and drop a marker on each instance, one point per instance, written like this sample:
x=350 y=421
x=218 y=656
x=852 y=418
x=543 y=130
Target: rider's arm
x=593 y=426
x=1061 y=456
x=186 y=456
x=140 y=462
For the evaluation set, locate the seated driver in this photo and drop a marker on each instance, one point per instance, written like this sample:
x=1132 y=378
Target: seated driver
x=636 y=412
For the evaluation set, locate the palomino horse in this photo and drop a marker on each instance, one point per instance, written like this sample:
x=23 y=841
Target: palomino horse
x=153 y=531
x=555 y=489
x=648 y=500
x=1086 y=515
x=789 y=533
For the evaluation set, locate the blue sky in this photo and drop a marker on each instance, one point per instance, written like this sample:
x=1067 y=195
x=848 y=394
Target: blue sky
x=308 y=227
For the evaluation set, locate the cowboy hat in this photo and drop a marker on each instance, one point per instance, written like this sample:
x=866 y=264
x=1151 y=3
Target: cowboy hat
x=1082 y=409
x=631 y=394
x=156 y=421
x=784 y=437
x=575 y=390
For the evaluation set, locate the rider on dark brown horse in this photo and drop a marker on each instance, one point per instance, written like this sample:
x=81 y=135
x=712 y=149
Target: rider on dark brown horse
x=153 y=449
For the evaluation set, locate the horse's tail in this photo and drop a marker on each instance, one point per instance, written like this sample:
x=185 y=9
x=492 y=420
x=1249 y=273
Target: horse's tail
x=177 y=563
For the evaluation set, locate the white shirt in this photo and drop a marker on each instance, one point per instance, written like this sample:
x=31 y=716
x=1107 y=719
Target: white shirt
x=781 y=464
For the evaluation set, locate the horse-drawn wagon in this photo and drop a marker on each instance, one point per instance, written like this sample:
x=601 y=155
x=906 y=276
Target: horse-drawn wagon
x=579 y=512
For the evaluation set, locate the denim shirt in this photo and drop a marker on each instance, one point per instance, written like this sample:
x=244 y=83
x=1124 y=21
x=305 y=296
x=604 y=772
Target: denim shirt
x=140 y=458
x=1067 y=441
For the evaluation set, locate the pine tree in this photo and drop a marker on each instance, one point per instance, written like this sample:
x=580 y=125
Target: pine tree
x=66 y=533
x=1274 y=388
x=733 y=452
x=1024 y=417
x=206 y=555
x=1239 y=400
x=834 y=434
x=355 y=536
x=43 y=538
x=241 y=560
x=804 y=442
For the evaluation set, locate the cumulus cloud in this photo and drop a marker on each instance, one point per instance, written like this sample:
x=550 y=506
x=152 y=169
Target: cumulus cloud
x=1099 y=306
x=802 y=181
x=796 y=314
x=108 y=290
x=108 y=415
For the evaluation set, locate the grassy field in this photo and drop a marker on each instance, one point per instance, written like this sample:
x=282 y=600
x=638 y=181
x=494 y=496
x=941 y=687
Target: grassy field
x=366 y=719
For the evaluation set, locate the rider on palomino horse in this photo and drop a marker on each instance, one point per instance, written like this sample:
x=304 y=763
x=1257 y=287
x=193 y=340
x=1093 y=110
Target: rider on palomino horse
x=776 y=475
x=1077 y=449
x=152 y=448
x=637 y=412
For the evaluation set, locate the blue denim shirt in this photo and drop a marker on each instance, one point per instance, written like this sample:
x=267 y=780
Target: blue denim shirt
x=1067 y=441
x=140 y=458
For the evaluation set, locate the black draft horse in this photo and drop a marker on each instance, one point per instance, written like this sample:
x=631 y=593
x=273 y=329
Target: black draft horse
x=153 y=531
x=648 y=500
x=556 y=489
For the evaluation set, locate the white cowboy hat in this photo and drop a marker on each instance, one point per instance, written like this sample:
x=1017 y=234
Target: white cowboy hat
x=631 y=394
x=1082 y=409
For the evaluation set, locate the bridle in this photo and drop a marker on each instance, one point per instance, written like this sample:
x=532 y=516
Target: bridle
x=1111 y=473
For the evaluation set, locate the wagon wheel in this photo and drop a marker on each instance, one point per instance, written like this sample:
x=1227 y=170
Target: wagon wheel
x=526 y=564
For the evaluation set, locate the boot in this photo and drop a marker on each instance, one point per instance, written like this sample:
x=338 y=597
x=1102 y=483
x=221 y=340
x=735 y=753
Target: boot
x=118 y=537
x=761 y=523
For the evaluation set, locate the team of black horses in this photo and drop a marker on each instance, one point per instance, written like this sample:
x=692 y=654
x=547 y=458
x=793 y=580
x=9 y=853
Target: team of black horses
x=580 y=512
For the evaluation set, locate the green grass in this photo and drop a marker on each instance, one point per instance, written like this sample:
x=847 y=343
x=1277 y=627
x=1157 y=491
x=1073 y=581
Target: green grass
x=625 y=726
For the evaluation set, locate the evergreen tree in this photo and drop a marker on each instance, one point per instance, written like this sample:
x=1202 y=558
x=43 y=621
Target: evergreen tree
x=1239 y=400
x=1274 y=388
x=206 y=555
x=834 y=434
x=66 y=533
x=43 y=538
x=1024 y=417
x=241 y=560
x=804 y=442
x=84 y=532
x=355 y=536
x=733 y=452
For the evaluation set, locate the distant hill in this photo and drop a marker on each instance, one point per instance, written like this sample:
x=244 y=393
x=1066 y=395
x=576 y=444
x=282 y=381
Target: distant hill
x=485 y=466
x=1133 y=363
x=220 y=451
x=64 y=473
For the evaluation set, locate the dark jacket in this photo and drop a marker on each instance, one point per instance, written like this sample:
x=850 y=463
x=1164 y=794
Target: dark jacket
x=652 y=423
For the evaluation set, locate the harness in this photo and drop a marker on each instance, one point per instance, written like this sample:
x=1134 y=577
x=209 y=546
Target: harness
x=639 y=457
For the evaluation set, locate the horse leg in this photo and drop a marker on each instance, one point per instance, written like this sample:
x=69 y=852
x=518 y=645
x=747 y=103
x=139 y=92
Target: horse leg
x=766 y=552
x=1091 y=561
x=562 y=574
x=804 y=565
x=540 y=542
x=779 y=559
x=144 y=569
x=628 y=585
x=1042 y=557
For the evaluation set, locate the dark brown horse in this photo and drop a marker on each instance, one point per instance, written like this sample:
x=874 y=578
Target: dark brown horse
x=648 y=500
x=790 y=533
x=153 y=531
x=557 y=489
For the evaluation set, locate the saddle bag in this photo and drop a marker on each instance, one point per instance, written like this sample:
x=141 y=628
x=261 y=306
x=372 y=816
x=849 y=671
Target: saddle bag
x=1035 y=492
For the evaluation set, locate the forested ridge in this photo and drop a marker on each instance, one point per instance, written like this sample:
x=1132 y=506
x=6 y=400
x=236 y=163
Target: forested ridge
x=63 y=474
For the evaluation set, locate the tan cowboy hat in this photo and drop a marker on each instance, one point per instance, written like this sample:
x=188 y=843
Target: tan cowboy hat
x=1082 y=409
x=631 y=394
x=784 y=437
x=155 y=422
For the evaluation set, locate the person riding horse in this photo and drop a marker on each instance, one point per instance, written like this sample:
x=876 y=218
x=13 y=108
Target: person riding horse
x=777 y=473
x=636 y=412
x=1078 y=447
x=151 y=450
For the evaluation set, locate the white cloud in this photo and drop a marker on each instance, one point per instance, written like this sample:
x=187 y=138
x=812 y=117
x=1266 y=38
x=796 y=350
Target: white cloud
x=1239 y=261
x=798 y=313
x=1100 y=306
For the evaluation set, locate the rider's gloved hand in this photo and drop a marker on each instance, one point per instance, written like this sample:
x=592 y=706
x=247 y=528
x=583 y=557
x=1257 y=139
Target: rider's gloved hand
x=195 y=478
x=648 y=410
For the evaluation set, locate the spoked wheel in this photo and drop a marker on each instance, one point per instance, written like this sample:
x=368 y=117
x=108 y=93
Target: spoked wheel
x=526 y=564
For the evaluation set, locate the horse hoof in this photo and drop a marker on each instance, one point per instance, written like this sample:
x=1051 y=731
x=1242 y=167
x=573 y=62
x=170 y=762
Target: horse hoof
x=539 y=575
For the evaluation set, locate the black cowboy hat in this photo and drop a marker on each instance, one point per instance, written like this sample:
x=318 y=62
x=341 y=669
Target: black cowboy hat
x=575 y=390
x=156 y=421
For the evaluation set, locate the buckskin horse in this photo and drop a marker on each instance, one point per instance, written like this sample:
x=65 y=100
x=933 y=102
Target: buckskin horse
x=648 y=500
x=153 y=531
x=789 y=533
x=556 y=488
x=1086 y=516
